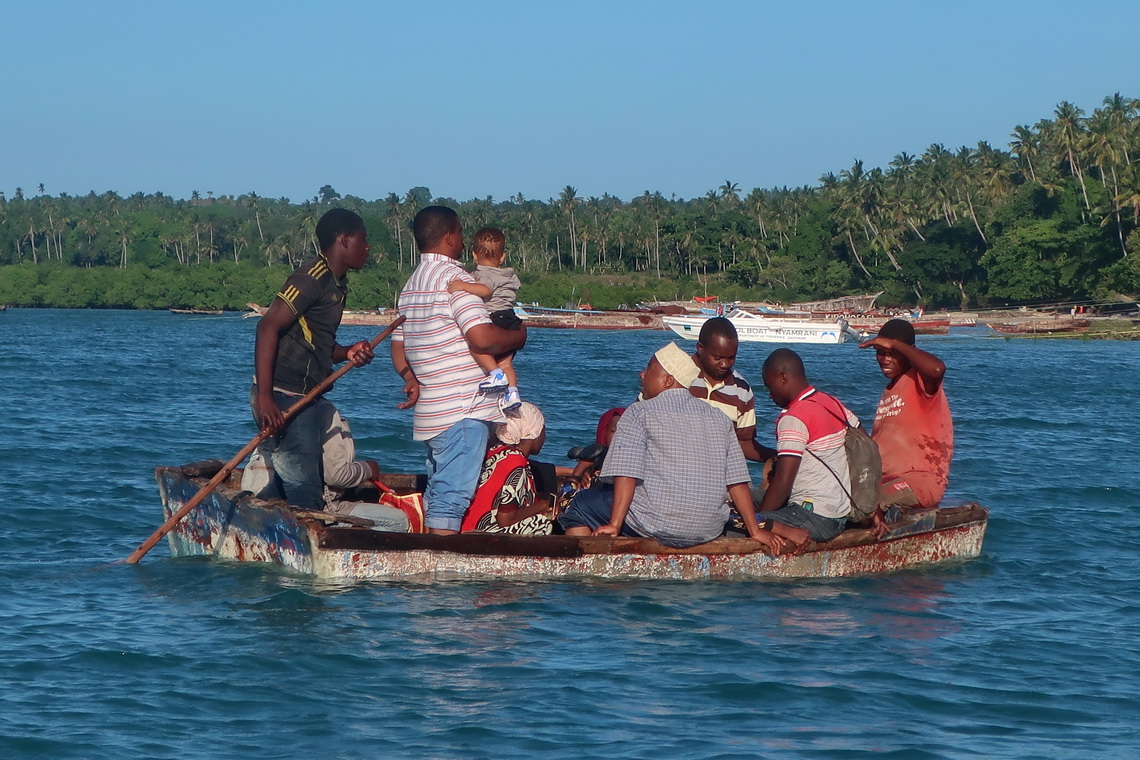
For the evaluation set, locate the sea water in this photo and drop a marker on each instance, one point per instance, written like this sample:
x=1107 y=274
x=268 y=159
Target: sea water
x=1029 y=651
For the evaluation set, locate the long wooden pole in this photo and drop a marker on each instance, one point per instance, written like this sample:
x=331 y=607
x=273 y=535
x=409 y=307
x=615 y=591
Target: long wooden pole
x=229 y=467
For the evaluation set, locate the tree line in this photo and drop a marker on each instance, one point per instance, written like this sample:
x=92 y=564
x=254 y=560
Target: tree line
x=1052 y=216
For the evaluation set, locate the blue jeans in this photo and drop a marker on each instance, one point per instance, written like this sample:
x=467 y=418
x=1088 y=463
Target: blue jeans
x=591 y=508
x=295 y=452
x=819 y=527
x=454 y=461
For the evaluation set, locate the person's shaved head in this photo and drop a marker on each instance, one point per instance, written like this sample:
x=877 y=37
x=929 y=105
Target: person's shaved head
x=784 y=376
x=432 y=224
x=785 y=361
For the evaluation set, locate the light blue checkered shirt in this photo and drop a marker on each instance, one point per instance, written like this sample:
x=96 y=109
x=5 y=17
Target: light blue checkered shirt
x=685 y=455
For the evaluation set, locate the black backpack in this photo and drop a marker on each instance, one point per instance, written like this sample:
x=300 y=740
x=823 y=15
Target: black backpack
x=864 y=467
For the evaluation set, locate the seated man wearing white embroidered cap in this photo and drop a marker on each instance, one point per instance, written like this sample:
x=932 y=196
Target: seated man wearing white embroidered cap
x=672 y=462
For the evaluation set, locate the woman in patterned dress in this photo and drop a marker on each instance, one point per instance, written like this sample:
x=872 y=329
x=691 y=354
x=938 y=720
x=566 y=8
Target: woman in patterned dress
x=506 y=500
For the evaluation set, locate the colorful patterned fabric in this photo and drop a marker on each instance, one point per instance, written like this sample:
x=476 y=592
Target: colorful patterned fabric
x=505 y=484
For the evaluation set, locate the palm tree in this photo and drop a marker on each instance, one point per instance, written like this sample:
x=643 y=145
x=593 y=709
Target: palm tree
x=568 y=201
x=730 y=192
x=962 y=176
x=1070 y=122
x=1121 y=112
x=712 y=202
x=1102 y=150
x=1024 y=146
x=756 y=203
x=123 y=233
x=396 y=219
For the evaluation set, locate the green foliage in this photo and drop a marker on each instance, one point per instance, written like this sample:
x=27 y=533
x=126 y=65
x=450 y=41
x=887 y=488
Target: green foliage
x=1025 y=263
x=746 y=274
x=1045 y=220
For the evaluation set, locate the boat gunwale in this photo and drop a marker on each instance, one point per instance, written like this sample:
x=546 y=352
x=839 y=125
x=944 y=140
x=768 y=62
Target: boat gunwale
x=327 y=535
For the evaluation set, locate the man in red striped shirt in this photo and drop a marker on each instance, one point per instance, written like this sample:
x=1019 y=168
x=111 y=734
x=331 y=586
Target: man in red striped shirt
x=432 y=352
x=810 y=483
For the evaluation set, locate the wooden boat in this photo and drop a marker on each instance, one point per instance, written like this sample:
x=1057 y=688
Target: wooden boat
x=848 y=304
x=764 y=329
x=234 y=525
x=211 y=312
x=1042 y=326
x=378 y=317
x=922 y=325
x=589 y=319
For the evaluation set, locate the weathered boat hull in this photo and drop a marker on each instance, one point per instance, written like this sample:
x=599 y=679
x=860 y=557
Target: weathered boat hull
x=1042 y=326
x=589 y=319
x=236 y=526
x=751 y=328
x=921 y=326
x=965 y=541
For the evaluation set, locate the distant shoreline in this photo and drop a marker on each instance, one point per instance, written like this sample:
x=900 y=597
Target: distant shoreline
x=1121 y=327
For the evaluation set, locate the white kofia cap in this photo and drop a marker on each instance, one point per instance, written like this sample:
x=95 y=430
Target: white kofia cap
x=678 y=364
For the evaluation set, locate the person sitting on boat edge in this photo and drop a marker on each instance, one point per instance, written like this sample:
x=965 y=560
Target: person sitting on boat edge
x=344 y=472
x=590 y=458
x=913 y=426
x=498 y=286
x=432 y=352
x=341 y=472
x=506 y=500
x=720 y=386
x=809 y=485
x=295 y=349
x=672 y=460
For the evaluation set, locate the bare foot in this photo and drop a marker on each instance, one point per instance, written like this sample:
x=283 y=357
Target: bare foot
x=797 y=537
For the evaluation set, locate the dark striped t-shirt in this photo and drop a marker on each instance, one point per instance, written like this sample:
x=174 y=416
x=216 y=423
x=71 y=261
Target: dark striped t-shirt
x=304 y=354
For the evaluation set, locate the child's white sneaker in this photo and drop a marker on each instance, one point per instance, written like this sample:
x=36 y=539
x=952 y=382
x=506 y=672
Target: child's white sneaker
x=510 y=400
x=496 y=381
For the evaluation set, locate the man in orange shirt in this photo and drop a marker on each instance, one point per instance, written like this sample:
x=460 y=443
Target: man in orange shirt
x=912 y=424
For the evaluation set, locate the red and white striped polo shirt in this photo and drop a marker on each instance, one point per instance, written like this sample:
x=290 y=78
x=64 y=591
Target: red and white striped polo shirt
x=814 y=422
x=437 y=351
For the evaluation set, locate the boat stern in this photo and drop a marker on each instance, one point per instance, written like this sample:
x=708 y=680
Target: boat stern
x=231 y=524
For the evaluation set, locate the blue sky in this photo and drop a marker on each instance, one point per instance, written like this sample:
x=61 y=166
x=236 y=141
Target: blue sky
x=476 y=99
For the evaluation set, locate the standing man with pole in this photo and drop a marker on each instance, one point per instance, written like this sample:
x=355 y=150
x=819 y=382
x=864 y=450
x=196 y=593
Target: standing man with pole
x=293 y=369
x=295 y=350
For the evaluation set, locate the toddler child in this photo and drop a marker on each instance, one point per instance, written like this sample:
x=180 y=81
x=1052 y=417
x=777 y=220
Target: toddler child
x=497 y=285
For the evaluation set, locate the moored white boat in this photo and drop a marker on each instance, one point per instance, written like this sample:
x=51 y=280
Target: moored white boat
x=764 y=329
x=234 y=525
